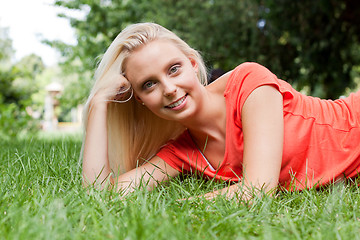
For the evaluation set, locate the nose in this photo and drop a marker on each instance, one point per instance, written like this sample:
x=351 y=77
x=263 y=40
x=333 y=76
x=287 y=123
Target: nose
x=169 y=89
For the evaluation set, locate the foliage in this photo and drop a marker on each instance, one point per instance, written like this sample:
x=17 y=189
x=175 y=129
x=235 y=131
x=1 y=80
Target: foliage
x=15 y=121
x=308 y=43
x=41 y=197
x=15 y=98
x=6 y=50
x=30 y=66
x=316 y=41
x=224 y=31
x=16 y=88
x=103 y=21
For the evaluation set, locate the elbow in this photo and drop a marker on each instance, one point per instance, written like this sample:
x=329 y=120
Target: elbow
x=98 y=182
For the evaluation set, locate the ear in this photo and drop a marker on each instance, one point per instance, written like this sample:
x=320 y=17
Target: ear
x=194 y=64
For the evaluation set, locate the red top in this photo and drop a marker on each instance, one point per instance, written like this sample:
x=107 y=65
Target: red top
x=321 y=137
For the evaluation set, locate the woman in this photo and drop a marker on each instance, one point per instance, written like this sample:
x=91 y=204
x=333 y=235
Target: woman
x=247 y=127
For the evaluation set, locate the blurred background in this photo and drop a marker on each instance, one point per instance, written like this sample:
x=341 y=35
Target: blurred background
x=49 y=49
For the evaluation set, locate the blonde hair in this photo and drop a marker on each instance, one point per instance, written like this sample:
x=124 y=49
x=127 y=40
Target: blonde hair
x=135 y=134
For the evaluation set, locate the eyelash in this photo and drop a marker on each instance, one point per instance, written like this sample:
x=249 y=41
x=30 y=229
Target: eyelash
x=145 y=87
x=175 y=66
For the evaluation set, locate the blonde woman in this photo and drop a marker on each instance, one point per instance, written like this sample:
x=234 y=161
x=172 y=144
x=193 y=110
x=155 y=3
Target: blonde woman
x=150 y=116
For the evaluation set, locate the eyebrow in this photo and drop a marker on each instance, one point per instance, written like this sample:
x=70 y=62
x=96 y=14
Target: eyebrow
x=170 y=63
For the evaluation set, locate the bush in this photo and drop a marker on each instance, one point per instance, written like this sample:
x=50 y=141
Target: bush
x=14 y=121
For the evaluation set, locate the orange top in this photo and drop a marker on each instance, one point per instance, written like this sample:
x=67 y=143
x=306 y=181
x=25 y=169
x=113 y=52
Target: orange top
x=321 y=137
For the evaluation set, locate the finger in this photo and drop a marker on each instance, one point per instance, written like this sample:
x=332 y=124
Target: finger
x=124 y=96
x=116 y=65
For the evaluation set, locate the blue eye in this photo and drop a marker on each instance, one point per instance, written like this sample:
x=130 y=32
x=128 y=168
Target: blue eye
x=148 y=85
x=174 y=69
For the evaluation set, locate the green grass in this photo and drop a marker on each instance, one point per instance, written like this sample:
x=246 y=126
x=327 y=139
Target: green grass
x=41 y=198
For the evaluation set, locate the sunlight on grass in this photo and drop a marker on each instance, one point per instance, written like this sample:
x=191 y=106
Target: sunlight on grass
x=41 y=197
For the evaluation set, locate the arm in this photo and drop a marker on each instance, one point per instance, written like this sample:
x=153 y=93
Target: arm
x=149 y=174
x=96 y=168
x=263 y=128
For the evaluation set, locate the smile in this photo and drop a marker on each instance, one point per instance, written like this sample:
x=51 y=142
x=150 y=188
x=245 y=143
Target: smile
x=177 y=102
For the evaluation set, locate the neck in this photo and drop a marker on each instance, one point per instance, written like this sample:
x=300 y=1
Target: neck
x=210 y=120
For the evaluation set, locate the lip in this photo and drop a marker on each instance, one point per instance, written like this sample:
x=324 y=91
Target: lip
x=177 y=104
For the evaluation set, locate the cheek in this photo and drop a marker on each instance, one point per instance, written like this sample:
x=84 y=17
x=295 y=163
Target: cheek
x=193 y=82
x=188 y=81
x=152 y=99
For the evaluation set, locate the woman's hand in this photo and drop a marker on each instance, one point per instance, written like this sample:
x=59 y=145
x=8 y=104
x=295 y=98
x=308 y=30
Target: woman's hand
x=234 y=191
x=238 y=192
x=112 y=86
x=149 y=175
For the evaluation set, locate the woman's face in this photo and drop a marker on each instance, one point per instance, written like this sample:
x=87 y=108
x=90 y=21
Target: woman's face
x=164 y=79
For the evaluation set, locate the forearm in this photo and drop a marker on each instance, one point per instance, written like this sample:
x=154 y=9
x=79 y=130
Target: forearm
x=96 y=168
x=148 y=175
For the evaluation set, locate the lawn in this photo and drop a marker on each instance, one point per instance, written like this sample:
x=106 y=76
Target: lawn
x=41 y=197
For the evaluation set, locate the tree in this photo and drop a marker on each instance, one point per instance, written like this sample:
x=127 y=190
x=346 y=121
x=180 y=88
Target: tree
x=7 y=74
x=316 y=40
x=6 y=50
x=16 y=87
x=197 y=22
x=25 y=83
x=225 y=32
x=308 y=43
x=103 y=21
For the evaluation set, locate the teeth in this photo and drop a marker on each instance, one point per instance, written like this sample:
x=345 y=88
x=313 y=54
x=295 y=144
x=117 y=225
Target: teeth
x=175 y=104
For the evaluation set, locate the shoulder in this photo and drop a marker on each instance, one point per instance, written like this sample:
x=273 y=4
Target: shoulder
x=238 y=74
x=249 y=76
x=250 y=70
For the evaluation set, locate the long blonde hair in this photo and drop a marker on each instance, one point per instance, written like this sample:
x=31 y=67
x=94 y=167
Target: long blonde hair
x=135 y=134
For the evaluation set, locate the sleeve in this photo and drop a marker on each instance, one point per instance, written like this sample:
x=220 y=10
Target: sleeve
x=176 y=153
x=249 y=76
x=168 y=154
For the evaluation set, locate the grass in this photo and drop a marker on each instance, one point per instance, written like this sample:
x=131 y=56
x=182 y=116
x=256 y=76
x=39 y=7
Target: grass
x=41 y=197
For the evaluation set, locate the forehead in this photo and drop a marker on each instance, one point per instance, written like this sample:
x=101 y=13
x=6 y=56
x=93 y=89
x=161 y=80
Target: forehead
x=150 y=57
